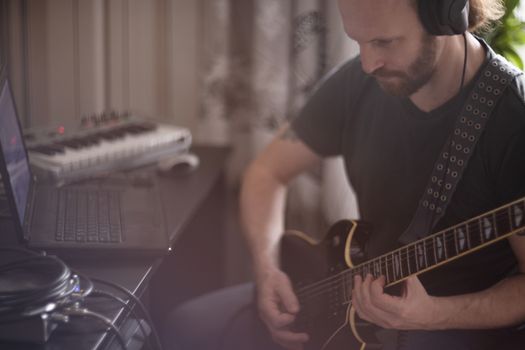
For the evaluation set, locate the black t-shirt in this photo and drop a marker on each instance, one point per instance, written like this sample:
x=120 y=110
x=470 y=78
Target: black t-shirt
x=390 y=146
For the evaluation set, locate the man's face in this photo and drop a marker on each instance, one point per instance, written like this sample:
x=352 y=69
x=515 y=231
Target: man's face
x=405 y=82
x=395 y=49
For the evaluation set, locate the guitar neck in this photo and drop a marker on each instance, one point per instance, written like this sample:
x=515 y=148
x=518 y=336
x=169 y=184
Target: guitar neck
x=442 y=247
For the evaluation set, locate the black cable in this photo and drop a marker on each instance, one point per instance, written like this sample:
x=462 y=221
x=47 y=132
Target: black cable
x=56 y=285
x=465 y=54
x=84 y=292
x=138 y=302
x=49 y=286
x=83 y=312
x=56 y=289
x=127 y=307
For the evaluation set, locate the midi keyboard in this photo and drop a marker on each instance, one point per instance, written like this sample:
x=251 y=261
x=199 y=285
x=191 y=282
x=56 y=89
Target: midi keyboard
x=102 y=144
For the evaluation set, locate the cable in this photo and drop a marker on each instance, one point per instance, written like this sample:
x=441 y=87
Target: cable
x=138 y=302
x=52 y=285
x=35 y=284
x=465 y=55
x=83 y=312
x=127 y=307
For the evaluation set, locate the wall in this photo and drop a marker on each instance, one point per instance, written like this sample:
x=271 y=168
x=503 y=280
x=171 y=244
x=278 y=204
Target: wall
x=86 y=57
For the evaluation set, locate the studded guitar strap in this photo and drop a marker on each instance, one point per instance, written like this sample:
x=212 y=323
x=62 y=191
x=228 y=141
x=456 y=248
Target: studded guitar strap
x=456 y=152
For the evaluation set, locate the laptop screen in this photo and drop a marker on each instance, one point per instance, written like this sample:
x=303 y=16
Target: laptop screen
x=13 y=151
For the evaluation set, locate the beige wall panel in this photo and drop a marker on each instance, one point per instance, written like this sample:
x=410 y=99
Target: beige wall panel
x=87 y=56
x=143 y=50
x=16 y=65
x=37 y=65
x=183 y=61
x=116 y=55
x=63 y=81
x=91 y=57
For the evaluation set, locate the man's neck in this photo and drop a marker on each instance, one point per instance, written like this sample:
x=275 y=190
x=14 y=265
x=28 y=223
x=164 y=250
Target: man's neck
x=446 y=80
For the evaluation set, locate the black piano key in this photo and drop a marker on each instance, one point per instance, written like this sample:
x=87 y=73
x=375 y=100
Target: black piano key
x=71 y=143
x=49 y=150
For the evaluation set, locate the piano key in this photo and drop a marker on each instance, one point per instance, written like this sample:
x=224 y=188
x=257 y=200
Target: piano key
x=102 y=149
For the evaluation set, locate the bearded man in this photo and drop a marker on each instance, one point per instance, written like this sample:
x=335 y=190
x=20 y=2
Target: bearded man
x=388 y=113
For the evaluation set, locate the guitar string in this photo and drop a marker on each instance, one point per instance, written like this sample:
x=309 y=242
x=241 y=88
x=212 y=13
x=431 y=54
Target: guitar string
x=497 y=214
x=387 y=259
x=335 y=284
x=326 y=285
x=428 y=243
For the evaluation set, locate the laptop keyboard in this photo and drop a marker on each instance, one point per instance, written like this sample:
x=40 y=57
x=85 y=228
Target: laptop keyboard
x=89 y=216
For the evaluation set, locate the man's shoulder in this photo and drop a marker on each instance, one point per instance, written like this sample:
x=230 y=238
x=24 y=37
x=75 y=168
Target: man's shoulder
x=509 y=115
x=517 y=89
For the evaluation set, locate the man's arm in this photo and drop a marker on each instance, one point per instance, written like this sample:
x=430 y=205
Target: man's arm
x=262 y=201
x=501 y=305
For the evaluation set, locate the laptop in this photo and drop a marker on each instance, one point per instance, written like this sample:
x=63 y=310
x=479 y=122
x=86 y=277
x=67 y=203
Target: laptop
x=89 y=219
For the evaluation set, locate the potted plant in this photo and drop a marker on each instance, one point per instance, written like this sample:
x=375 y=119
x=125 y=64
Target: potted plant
x=508 y=35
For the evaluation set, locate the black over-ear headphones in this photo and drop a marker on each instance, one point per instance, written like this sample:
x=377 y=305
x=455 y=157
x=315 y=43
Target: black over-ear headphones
x=444 y=17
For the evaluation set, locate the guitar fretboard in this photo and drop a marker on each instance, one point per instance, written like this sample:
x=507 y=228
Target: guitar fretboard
x=441 y=247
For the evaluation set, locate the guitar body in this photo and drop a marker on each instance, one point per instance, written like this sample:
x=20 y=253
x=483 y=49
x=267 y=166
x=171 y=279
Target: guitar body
x=322 y=271
x=330 y=323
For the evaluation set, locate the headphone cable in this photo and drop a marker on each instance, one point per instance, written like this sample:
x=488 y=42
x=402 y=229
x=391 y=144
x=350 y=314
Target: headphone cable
x=465 y=55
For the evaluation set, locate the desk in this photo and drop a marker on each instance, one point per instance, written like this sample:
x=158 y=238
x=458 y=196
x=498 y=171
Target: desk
x=186 y=198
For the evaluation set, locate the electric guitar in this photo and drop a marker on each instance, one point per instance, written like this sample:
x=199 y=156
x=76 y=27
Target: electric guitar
x=322 y=271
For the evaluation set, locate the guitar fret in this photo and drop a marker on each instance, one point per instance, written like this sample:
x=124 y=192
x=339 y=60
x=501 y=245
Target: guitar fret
x=343 y=285
x=425 y=253
x=517 y=213
x=345 y=288
x=462 y=239
x=449 y=243
x=430 y=249
x=509 y=216
x=370 y=269
x=487 y=228
x=387 y=277
x=456 y=241
x=495 y=225
x=408 y=260
x=472 y=232
x=413 y=258
x=377 y=269
x=405 y=261
x=504 y=224
x=357 y=272
x=468 y=242
x=416 y=257
x=480 y=225
x=389 y=269
x=397 y=266
x=435 y=249
x=421 y=256
x=440 y=248
x=444 y=238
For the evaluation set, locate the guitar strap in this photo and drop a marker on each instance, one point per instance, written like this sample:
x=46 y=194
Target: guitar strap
x=458 y=148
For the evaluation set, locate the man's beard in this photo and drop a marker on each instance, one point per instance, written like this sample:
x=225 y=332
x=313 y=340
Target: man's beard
x=404 y=84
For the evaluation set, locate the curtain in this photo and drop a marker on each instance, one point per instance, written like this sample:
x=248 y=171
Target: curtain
x=261 y=60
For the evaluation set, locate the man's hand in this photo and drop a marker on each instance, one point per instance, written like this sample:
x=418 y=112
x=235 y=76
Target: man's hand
x=278 y=307
x=415 y=309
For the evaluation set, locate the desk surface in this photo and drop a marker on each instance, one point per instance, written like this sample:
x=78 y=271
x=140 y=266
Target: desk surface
x=182 y=195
